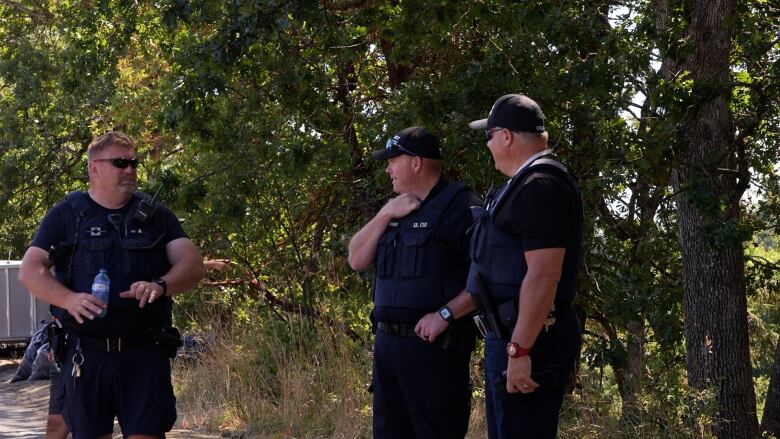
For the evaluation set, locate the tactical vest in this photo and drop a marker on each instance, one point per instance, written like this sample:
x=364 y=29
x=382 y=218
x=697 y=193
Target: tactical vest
x=499 y=256
x=411 y=262
x=130 y=250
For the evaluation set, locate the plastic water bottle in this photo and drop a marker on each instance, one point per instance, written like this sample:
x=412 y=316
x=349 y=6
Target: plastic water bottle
x=100 y=288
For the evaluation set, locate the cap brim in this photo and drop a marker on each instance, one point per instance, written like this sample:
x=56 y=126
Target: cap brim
x=384 y=154
x=478 y=124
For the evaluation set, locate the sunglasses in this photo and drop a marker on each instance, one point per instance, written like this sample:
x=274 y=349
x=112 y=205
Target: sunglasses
x=393 y=144
x=489 y=133
x=119 y=162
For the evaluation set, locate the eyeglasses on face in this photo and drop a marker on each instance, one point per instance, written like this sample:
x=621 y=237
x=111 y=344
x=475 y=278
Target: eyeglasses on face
x=393 y=144
x=120 y=162
x=489 y=132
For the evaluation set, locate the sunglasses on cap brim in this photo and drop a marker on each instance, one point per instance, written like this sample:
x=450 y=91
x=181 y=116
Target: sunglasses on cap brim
x=393 y=145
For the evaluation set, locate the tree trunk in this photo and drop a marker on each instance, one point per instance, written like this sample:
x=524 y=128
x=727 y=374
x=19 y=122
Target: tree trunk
x=771 y=420
x=633 y=373
x=715 y=303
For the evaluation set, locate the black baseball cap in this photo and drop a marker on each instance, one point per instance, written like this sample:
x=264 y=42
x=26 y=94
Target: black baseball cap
x=514 y=112
x=415 y=141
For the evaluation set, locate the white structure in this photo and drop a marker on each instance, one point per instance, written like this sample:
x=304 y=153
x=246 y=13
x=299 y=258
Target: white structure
x=20 y=311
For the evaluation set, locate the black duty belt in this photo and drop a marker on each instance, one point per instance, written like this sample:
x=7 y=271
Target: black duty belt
x=114 y=344
x=399 y=329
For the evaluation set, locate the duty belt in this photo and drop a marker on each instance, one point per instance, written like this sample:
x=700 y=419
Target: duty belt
x=114 y=344
x=399 y=329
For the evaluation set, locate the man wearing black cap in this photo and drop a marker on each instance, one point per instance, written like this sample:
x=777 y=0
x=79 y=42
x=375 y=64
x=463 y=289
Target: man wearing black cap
x=525 y=254
x=418 y=242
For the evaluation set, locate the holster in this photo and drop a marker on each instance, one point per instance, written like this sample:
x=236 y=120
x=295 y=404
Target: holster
x=459 y=337
x=486 y=309
x=168 y=339
x=57 y=342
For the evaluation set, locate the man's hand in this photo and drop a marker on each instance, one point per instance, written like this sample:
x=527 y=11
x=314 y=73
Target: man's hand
x=518 y=375
x=81 y=305
x=401 y=206
x=144 y=292
x=430 y=326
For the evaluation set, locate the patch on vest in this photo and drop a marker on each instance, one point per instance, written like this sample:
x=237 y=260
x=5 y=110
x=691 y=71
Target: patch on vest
x=96 y=231
x=420 y=225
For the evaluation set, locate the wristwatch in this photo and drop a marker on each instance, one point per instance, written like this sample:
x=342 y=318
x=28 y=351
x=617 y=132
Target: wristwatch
x=515 y=351
x=161 y=282
x=446 y=313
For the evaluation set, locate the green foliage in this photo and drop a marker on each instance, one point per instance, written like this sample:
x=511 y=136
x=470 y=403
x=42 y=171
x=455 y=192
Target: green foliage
x=255 y=120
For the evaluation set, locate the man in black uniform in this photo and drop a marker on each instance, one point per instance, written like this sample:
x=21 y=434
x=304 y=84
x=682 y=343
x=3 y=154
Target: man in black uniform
x=418 y=242
x=526 y=250
x=115 y=365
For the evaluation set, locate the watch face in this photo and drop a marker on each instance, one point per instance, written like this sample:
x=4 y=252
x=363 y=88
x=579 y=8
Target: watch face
x=445 y=313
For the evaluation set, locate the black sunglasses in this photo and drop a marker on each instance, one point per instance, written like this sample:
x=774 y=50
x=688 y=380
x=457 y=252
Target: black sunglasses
x=393 y=144
x=489 y=132
x=119 y=162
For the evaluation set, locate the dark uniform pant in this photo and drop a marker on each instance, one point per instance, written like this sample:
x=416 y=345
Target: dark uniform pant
x=532 y=415
x=420 y=390
x=133 y=385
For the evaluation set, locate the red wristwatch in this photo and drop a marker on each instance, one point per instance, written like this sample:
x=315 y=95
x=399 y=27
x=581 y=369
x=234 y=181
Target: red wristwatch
x=515 y=351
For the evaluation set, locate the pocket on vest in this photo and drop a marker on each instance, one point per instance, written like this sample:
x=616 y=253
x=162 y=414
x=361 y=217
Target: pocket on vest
x=385 y=255
x=413 y=254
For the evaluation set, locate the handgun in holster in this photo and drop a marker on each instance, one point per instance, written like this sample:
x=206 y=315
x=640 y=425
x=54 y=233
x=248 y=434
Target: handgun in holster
x=168 y=339
x=458 y=337
x=57 y=341
x=486 y=318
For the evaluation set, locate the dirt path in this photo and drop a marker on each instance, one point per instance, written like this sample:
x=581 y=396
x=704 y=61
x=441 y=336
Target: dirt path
x=23 y=409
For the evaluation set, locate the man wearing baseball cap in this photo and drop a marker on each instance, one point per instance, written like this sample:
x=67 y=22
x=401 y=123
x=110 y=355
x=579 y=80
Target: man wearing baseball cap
x=418 y=245
x=525 y=255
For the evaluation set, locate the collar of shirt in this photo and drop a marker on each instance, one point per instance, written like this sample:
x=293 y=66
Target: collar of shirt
x=531 y=160
x=434 y=190
x=525 y=164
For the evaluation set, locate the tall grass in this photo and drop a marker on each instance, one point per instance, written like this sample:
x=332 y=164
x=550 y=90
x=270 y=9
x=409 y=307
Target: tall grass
x=293 y=379
x=280 y=379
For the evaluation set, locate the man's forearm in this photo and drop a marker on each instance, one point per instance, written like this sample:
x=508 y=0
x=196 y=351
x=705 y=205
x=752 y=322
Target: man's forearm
x=186 y=266
x=362 y=246
x=461 y=305
x=537 y=295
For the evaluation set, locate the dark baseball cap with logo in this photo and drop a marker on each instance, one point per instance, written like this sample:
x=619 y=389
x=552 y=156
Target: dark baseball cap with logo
x=514 y=112
x=414 y=141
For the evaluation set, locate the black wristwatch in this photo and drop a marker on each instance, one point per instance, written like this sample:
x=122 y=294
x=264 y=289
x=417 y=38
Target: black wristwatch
x=161 y=282
x=446 y=313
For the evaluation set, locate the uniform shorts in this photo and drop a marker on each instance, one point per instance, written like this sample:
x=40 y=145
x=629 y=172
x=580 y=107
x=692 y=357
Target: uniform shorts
x=133 y=385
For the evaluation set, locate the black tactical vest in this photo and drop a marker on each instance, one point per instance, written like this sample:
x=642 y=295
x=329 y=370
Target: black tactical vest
x=130 y=250
x=410 y=261
x=499 y=256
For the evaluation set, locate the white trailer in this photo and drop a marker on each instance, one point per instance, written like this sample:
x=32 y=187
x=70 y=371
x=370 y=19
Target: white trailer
x=20 y=311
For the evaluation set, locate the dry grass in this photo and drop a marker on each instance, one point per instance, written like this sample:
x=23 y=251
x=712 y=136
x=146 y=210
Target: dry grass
x=287 y=381
x=295 y=380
